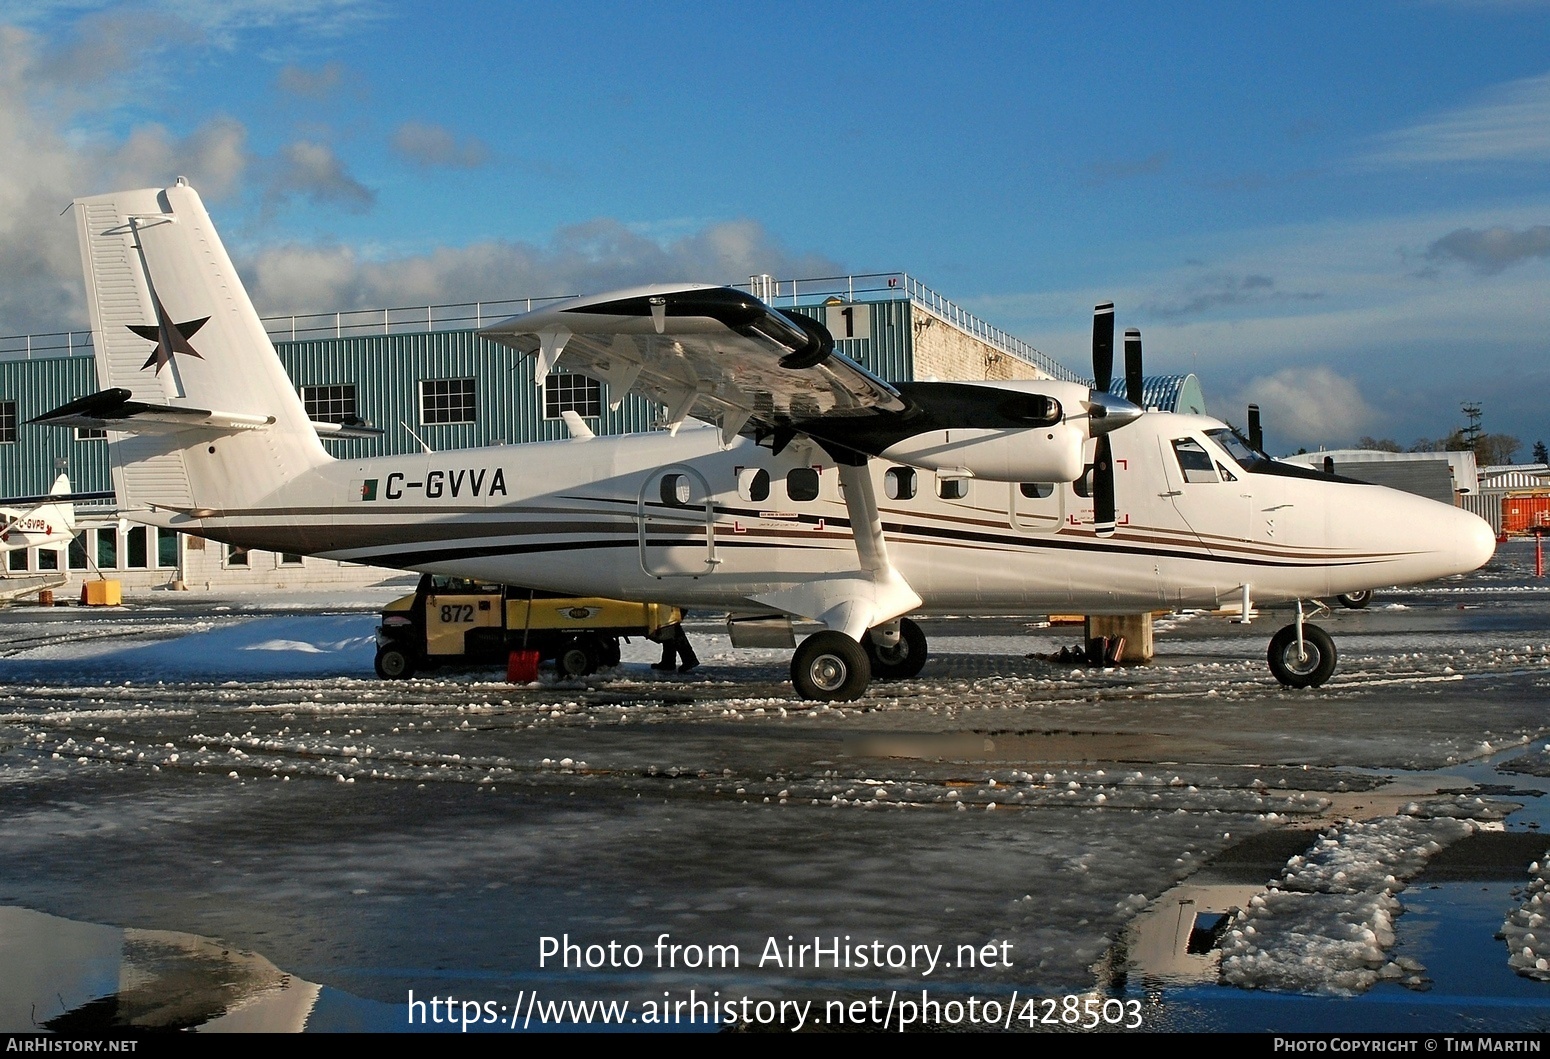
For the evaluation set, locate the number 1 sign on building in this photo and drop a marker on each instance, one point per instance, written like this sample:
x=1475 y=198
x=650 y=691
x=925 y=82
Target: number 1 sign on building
x=848 y=320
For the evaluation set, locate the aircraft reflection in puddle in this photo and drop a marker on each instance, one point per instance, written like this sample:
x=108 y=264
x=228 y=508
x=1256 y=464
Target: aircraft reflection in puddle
x=69 y=977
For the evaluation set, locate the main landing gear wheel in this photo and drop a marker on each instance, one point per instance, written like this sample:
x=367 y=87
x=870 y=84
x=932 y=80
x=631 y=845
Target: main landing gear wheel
x=577 y=657
x=901 y=661
x=1310 y=669
x=1355 y=600
x=830 y=667
x=394 y=663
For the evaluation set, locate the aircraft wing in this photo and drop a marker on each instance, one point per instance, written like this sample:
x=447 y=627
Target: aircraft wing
x=715 y=353
x=52 y=498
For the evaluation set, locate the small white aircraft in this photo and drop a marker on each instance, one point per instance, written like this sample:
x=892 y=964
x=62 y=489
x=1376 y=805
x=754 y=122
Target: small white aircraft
x=803 y=486
x=39 y=521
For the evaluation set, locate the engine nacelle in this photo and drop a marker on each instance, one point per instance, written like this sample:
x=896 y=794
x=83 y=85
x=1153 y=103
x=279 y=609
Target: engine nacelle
x=1029 y=454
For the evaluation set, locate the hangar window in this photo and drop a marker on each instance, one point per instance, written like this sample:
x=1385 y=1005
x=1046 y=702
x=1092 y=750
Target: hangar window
x=135 y=556
x=18 y=559
x=447 y=400
x=334 y=403
x=802 y=484
x=899 y=483
x=236 y=555
x=48 y=558
x=107 y=549
x=166 y=547
x=78 y=552
x=572 y=393
x=90 y=434
x=952 y=488
x=7 y=422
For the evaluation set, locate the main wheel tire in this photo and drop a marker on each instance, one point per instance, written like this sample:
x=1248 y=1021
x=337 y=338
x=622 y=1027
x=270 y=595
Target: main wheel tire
x=1355 y=600
x=830 y=667
x=1308 y=671
x=394 y=662
x=577 y=657
x=901 y=661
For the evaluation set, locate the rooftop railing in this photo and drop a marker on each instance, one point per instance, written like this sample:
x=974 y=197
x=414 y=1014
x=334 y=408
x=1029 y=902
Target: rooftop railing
x=358 y=323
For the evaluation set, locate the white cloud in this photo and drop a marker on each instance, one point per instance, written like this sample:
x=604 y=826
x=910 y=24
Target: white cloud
x=313 y=171
x=45 y=161
x=587 y=258
x=1305 y=406
x=309 y=83
x=426 y=144
x=1490 y=250
x=1511 y=123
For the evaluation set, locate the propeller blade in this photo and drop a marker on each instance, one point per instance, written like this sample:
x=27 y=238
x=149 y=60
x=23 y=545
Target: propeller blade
x=1133 y=383
x=1256 y=436
x=1103 y=346
x=1103 y=488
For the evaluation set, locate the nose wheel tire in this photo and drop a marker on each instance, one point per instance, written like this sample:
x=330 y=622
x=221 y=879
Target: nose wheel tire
x=394 y=663
x=1355 y=600
x=1309 y=669
x=830 y=667
x=904 y=659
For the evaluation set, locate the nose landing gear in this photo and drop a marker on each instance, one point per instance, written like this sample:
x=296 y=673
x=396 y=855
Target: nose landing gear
x=1302 y=655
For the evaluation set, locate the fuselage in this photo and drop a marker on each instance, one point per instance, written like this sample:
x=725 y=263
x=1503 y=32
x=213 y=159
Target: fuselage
x=34 y=528
x=686 y=520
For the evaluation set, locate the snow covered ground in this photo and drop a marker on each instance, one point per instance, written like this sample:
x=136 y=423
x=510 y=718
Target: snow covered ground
x=233 y=770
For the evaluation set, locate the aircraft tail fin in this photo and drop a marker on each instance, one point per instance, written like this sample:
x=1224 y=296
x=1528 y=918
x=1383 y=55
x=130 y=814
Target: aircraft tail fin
x=201 y=414
x=61 y=513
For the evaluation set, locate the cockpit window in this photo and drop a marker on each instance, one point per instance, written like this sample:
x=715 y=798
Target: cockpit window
x=1194 y=461
x=1236 y=447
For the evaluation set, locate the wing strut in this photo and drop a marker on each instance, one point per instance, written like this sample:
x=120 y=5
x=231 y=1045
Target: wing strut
x=853 y=601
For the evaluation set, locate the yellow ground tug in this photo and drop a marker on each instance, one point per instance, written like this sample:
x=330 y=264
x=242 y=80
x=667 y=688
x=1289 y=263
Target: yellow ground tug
x=455 y=620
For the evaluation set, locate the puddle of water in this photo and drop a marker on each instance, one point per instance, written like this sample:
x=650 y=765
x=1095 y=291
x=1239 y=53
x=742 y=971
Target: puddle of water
x=1450 y=927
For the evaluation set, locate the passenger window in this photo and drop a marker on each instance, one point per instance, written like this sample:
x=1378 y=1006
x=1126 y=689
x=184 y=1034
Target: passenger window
x=1194 y=461
x=802 y=484
x=952 y=488
x=899 y=483
x=675 y=490
x=753 y=483
x=1037 y=490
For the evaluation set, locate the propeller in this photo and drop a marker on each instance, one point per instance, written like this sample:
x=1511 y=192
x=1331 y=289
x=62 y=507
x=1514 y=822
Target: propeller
x=1256 y=435
x=1103 y=488
x=1133 y=384
x=1103 y=346
x=1110 y=412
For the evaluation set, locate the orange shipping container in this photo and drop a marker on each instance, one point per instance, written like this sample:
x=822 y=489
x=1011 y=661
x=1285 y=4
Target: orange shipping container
x=1520 y=514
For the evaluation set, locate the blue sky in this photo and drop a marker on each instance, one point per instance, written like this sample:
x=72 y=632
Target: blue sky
x=1339 y=210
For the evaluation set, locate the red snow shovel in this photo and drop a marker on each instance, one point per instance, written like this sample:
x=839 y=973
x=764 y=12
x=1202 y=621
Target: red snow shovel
x=522 y=664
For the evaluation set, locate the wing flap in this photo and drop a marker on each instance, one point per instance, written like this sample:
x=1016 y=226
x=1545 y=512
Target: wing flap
x=715 y=353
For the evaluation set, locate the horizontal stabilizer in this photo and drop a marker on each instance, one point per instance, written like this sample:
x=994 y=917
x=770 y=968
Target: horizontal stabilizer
x=114 y=410
x=355 y=428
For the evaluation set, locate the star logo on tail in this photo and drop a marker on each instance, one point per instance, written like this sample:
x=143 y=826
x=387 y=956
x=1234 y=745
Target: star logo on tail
x=170 y=338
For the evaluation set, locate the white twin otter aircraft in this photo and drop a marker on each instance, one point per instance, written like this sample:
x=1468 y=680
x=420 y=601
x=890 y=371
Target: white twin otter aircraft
x=41 y=521
x=799 y=485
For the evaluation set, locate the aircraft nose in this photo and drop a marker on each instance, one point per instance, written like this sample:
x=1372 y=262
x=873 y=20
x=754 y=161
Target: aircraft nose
x=1477 y=542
